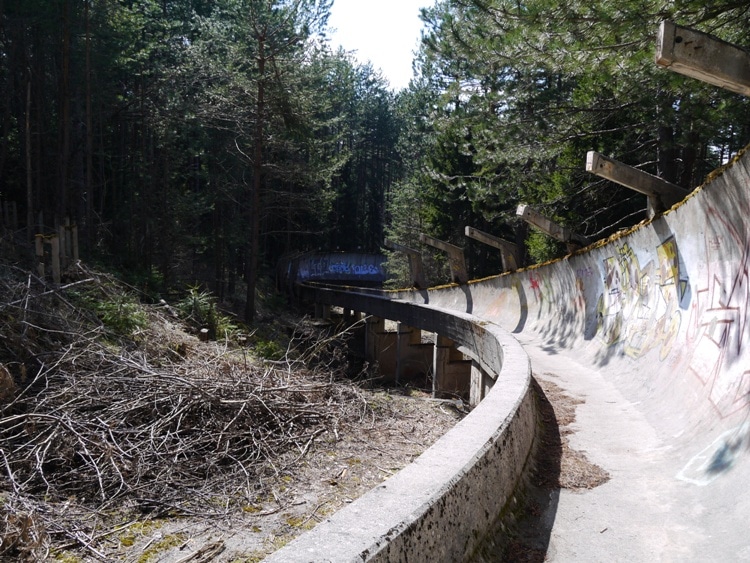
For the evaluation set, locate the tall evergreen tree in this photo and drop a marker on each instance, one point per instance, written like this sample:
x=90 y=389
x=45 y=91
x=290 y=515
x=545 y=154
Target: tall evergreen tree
x=530 y=87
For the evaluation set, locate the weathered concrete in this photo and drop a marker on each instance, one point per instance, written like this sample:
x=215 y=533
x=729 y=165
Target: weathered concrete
x=440 y=507
x=650 y=330
x=661 y=194
x=704 y=57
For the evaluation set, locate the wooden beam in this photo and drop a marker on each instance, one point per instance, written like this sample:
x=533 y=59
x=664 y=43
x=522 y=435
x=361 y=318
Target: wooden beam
x=508 y=250
x=416 y=267
x=661 y=194
x=704 y=57
x=549 y=227
x=455 y=257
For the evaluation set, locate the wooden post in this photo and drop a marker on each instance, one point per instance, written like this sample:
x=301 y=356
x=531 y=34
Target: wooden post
x=508 y=250
x=549 y=227
x=416 y=267
x=55 y=255
x=661 y=194
x=455 y=256
x=63 y=256
x=704 y=57
x=39 y=251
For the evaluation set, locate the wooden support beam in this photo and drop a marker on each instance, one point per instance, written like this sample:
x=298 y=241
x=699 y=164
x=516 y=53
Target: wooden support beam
x=508 y=250
x=416 y=267
x=661 y=194
x=704 y=57
x=549 y=227
x=455 y=257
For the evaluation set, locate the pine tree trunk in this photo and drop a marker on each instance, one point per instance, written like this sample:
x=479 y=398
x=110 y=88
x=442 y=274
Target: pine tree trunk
x=252 y=261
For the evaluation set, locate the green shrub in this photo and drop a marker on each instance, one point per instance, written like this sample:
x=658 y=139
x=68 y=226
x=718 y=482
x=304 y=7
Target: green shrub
x=269 y=350
x=199 y=309
x=121 y=314
x=542 y=247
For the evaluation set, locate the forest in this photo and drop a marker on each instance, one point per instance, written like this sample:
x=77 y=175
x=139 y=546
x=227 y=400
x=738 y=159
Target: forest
x=200 y=141
x=193 y=145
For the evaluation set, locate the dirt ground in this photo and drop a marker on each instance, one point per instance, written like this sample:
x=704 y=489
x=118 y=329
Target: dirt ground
x=141 y=442
x=400 y=425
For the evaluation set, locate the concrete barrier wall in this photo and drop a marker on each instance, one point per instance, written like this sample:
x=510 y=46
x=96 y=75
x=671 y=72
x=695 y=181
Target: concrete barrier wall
x=663 y=310
x=442 y=506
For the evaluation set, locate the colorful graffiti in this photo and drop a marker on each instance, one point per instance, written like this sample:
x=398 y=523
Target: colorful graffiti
x=717 y=326
x=344 y=266
x=640 y=305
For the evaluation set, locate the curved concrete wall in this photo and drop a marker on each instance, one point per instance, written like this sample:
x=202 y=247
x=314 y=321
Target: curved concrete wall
x=440 y=507
x=662 y=311
x=664 y=308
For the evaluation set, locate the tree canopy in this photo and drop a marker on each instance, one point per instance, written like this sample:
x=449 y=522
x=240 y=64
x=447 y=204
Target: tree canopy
x=200 y=141
x=527 y=88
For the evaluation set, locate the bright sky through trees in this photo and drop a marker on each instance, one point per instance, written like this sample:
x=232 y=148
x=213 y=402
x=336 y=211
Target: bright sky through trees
x=385 y=32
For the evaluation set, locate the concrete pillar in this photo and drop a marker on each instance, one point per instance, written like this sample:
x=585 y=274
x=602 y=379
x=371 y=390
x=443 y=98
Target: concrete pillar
x=481 y=383
x=456 y=257
x=322 y=311
x=374 y=328
x=416 y=266
x=451 y=372
x=413 y=358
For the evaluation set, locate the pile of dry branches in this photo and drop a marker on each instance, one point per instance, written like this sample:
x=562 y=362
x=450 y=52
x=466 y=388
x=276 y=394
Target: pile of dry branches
x=92 y=421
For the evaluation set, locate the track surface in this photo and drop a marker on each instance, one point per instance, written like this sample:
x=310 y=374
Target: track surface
x=650 y=331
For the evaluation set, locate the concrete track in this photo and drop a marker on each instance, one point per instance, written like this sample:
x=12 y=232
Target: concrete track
x=650 y=329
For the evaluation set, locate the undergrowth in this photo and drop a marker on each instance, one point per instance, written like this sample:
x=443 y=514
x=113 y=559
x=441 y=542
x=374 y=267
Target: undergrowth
x=109 y=412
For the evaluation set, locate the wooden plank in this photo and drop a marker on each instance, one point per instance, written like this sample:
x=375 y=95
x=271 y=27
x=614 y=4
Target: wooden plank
x=440 y=244
x=664 y=194
x=416 y=267
x=508 y=250
x=490 y=240
x=547 y=226
x=703 y=57
x=455 y=253
x=399 y=247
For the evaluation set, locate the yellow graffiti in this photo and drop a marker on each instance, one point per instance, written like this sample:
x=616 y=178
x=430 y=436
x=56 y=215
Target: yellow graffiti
x=641 y=299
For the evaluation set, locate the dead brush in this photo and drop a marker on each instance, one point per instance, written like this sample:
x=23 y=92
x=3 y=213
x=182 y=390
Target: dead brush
x=22 y=534
x=100 y=424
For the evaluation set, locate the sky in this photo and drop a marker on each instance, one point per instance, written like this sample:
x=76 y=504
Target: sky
x=384 y=32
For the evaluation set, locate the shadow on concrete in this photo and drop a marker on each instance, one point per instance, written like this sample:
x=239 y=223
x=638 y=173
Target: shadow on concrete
x=527 y=534
x=524 y=306
x=469 y=299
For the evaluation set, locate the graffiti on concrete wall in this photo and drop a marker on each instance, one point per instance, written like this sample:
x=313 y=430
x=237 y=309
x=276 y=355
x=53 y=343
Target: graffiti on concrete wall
x=640 y=304
x=333 y=266
x=718 y=318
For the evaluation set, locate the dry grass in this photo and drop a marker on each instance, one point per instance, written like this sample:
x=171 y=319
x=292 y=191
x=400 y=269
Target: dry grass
x=125 y=443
